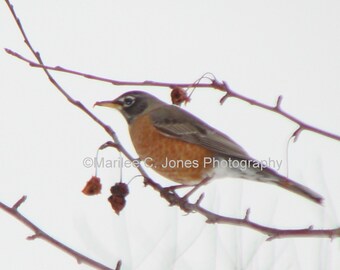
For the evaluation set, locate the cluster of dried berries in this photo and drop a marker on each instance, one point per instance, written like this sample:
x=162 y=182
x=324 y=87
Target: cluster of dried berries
x=118 y=193
x=117 y=200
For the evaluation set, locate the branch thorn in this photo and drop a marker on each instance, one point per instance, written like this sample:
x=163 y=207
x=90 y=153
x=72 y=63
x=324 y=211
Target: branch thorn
x=297 y=133
x=278 y=103
x=19 y=202
x=34 y=236
x=199 y=200
x=246 y=217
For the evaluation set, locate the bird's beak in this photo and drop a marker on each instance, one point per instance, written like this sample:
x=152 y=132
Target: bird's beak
x=115 y=104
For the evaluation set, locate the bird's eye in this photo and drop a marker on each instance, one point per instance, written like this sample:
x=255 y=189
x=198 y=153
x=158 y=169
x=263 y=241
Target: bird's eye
x=128 y=101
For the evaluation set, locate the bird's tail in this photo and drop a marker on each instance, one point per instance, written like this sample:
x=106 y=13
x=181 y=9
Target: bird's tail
x=299 y=189
x=268 y=175
x=288 y=184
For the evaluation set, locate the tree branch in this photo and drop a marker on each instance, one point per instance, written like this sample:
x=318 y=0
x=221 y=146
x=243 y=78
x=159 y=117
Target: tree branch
x=215 y=84
x=12 y=211
x=277 y=109
x=38 y=233
x=172 y=197
x=272 y=233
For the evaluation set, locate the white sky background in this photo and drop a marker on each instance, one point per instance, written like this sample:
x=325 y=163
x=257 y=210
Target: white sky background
x=263 y=49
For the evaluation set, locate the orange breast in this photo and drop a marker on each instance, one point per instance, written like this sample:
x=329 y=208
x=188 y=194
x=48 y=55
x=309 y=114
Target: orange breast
x=174 y=159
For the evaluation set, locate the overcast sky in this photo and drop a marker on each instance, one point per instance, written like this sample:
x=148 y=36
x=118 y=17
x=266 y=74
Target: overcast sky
x=263 y=49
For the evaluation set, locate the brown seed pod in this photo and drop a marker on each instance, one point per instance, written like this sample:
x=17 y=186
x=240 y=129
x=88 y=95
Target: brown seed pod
x=93 y=186
x=117 y=200
x=179 y=95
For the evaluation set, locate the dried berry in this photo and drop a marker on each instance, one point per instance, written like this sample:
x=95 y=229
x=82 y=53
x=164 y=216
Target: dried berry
x=93 y=186
x=117 y=200
x=179 y=95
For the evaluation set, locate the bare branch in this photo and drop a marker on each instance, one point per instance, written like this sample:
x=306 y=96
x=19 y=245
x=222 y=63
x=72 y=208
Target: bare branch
x=13 y=211
x=102 y=79
x=215 y=84
x=272 y=233
x=277 y=109
x=167 y=194
x=38 y=233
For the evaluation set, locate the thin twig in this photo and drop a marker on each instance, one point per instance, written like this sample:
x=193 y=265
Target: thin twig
x=38 y=233
x=215 y=84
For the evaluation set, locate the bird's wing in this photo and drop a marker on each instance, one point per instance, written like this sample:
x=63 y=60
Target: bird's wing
x=177 y=123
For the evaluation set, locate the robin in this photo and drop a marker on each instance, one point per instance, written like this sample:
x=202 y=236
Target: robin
x=183 y=148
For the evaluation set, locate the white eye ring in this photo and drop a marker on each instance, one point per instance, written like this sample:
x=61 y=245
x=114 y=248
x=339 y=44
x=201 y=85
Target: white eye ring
x=128 y=101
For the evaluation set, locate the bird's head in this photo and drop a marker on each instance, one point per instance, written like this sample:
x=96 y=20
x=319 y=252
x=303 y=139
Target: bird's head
x=132 y=104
